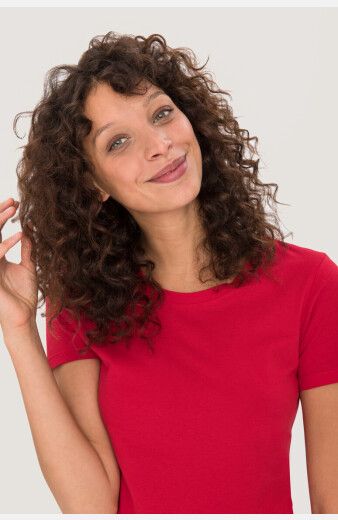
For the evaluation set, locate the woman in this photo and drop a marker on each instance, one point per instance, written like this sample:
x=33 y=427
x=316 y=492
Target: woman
x=143 y=218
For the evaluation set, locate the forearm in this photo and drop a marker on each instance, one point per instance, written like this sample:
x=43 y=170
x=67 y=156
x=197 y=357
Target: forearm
x=71 y=466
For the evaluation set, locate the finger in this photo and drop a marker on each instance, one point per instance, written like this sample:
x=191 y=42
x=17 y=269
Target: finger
x=6 y=203
x=8 y=213
x=6 y=245
x=5 y=214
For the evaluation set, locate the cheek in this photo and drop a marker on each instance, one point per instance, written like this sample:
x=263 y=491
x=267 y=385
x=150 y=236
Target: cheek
x=124 y=178
x=184 y=127
x=188 y=133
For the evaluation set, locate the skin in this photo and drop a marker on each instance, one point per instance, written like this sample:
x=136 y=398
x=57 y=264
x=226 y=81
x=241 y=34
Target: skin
x=145 y=139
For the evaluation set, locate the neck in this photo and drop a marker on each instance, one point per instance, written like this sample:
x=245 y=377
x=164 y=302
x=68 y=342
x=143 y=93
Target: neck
x=174 y=244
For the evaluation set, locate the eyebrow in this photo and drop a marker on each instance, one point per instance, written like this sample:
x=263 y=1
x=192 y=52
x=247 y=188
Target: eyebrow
x=145 y=104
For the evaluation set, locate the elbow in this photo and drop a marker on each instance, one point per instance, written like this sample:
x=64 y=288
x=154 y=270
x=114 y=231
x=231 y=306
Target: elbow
x=93 y=507
x=90 y=511
x=326 y=508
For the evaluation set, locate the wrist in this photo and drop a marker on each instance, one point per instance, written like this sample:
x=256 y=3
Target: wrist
x=16 y=335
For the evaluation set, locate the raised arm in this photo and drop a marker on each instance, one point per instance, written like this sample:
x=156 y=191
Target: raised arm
x=70 y=464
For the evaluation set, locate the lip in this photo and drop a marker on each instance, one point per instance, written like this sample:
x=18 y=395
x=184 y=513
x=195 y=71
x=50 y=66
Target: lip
x=172 y=176
x=171 y=166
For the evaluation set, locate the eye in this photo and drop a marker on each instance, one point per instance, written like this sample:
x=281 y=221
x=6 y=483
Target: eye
x=164 y=110
x=112 y=147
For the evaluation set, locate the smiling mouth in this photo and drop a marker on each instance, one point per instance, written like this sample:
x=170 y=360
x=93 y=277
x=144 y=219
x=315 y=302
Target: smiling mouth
x=178 y=163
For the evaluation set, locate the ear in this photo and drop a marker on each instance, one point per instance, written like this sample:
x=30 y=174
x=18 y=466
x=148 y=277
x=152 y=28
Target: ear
x=104 y=194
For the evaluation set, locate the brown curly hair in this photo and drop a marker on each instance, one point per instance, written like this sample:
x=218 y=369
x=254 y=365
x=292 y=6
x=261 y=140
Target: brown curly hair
x=89 y=253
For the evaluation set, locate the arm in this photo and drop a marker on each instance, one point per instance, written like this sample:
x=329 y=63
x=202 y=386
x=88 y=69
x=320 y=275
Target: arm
x=71 y=466
x=320 y=418
x=78 y=382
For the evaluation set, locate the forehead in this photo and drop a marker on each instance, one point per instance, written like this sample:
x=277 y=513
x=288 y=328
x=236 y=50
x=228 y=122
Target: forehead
x=102 y=97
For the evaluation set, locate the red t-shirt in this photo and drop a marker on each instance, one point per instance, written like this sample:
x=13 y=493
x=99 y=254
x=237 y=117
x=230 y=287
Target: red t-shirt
x=204 y=424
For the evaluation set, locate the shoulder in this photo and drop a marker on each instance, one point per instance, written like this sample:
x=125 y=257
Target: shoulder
x=297 y=263
x=298 y=255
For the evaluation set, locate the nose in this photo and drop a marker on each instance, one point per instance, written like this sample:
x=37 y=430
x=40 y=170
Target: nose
x=156 y=143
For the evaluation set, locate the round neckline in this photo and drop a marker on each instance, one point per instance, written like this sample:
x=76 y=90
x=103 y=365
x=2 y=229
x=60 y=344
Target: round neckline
x=198 y=296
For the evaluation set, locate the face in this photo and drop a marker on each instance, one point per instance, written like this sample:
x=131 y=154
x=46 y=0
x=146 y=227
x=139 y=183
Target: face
x=133 y=138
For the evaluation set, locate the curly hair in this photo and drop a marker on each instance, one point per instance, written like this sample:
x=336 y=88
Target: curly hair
x=89 y=253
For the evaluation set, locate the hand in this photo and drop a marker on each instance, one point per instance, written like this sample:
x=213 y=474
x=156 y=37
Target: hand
x=18 y=284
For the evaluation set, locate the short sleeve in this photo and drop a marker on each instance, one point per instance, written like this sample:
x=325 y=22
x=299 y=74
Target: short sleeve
x=65 y=346
x=318 y=348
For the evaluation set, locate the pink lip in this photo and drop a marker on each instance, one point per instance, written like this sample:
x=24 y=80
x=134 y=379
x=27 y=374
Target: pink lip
x=172 y=176
x=170 y=167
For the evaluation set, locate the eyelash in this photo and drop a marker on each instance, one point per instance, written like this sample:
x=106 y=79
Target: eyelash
x=111 y=148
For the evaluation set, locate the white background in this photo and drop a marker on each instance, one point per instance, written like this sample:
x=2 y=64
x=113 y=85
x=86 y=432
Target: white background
x=280 y=66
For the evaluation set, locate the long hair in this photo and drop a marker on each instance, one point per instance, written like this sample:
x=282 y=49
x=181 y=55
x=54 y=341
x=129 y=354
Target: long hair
x=89 y=253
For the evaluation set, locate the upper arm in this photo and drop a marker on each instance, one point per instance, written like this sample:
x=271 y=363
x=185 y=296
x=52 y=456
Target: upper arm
x=320 y=418
x=78 y=382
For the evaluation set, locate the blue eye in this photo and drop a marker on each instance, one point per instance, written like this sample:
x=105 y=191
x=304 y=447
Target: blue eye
x=112 y=145
x=164 y=110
